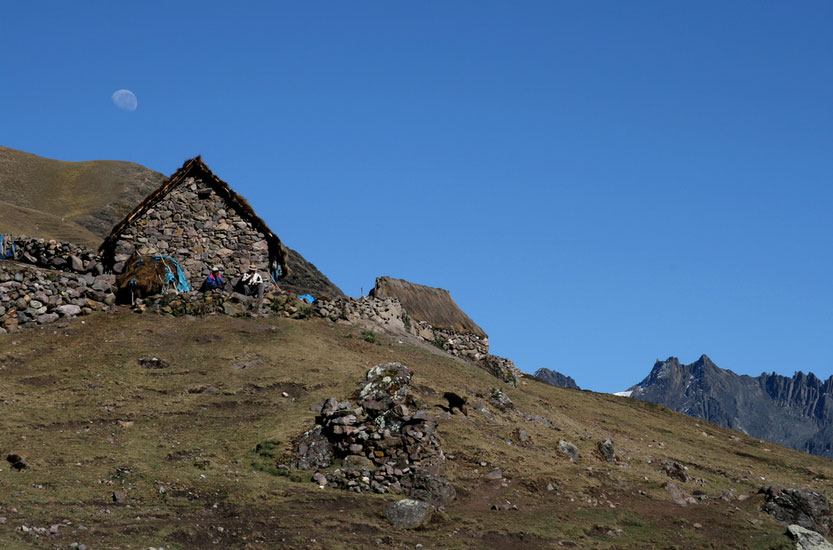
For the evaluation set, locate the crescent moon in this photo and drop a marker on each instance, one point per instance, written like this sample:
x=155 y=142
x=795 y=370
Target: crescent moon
x=125 y=100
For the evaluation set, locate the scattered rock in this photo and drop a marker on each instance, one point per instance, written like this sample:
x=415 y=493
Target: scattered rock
x=494 y=474
x=409 y=513
x=568 y=449
x=674 y=470
x=119 y=497
x=150 y=362
x=676 y=495
x=500 y=400
x=607 y=450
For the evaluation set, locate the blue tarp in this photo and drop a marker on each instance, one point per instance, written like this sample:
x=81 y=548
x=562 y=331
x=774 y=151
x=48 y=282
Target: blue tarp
x=307 y=298
x=181 y=282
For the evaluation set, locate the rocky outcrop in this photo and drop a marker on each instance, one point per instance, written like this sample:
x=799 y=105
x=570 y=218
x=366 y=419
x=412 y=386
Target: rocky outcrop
x=386 y=442
x=805 y=507
x=554 y=378
x=796 y=412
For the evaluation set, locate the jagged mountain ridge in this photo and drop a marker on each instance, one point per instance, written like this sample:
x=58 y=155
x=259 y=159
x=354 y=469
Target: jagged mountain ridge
x=794 y=411
x=555 y=378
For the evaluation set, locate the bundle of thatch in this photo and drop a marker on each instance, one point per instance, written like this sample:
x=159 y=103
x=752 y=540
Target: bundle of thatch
x=148 y=275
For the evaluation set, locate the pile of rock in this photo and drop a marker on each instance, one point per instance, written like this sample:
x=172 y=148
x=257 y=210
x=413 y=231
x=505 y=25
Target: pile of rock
x=385 y=441
x=51 y=254
x=31 y=296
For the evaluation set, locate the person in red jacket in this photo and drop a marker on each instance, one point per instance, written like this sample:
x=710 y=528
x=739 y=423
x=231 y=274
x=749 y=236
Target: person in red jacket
x=214 y=280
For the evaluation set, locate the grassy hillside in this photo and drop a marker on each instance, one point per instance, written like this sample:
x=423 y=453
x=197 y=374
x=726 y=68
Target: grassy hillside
x=92 y=195
x=179 y=443
x=17 y=220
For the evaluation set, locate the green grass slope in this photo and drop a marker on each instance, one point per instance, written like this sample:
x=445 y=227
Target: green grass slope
x=94 y=195
x=17 y=220
x=180 y=444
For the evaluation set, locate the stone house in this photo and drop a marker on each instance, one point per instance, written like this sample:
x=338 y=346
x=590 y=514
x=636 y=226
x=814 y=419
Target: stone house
x=198 y=220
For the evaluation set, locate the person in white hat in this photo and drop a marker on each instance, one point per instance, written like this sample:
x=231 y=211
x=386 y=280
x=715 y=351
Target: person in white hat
x=214 y=280
x=251 y=283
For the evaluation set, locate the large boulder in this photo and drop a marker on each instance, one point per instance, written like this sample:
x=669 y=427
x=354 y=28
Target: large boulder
x=568 y=449
x=805 y=507
x=807 y=540
x=409 y=513
x=607 y=450
x=433 y=488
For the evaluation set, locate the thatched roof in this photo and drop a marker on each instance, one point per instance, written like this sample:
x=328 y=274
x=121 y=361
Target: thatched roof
x=197 y=169
x=424 y=303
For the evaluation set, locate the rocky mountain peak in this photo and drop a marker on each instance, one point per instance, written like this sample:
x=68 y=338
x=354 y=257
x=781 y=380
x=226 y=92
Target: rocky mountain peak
x=795 y=411
x=555 y=378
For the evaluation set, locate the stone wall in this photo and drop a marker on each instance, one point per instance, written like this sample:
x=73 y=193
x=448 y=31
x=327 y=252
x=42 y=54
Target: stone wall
x=196 y=227
x=51 y=254
x=373 y=313
x=223 y=237
x=31 y=296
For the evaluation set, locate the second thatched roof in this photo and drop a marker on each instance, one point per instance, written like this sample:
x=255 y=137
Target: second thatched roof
x=424 y=303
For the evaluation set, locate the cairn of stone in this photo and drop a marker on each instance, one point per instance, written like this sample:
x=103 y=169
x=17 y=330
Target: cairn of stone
x=386 y=443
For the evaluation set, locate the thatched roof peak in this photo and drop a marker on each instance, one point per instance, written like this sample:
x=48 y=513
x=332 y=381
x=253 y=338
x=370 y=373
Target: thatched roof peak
x=424 y=303
x=197 y=169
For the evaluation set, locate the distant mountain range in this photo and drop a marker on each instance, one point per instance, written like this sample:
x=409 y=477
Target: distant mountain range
x=556 y=379
x=796 y=412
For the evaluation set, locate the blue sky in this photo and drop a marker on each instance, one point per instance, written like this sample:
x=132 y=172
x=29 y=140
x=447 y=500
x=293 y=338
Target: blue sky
x=598 y=184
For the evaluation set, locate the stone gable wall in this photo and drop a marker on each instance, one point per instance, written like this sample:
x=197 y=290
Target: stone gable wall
x=198 y=229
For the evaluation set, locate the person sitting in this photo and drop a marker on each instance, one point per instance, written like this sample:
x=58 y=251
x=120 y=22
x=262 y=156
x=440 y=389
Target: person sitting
x=214 y=280
x=251 y=283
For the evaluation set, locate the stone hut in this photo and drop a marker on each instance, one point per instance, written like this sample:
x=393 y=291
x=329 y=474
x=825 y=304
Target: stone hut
x=198 y=220
x=424 y=303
